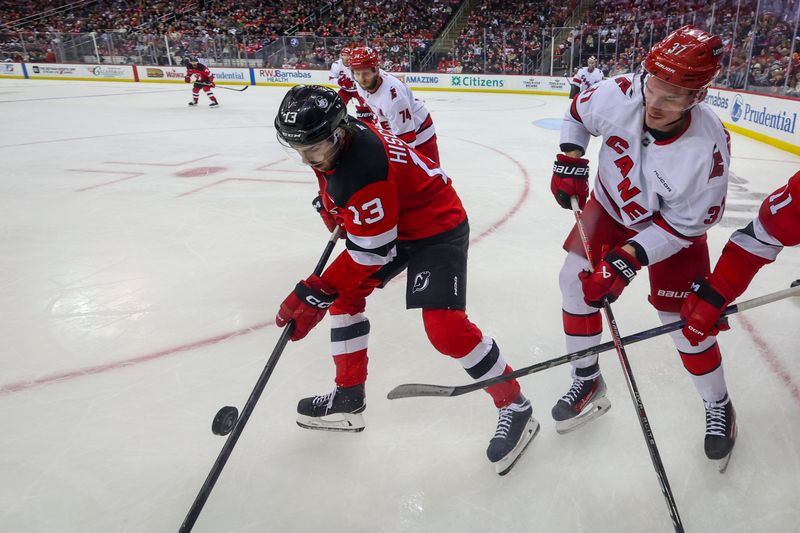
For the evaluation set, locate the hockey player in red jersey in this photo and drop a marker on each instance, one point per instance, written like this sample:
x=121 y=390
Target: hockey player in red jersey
x=203 y=79
x=661 y=184
x=393 y=103
x=750 y=248
x=399 y=211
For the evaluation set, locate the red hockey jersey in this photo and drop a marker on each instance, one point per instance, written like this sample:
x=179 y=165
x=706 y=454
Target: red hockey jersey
x=384 y=191
x=201 y=73
x=759 y=243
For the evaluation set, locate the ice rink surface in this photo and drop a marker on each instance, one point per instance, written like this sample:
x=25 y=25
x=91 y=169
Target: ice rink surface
x=146 y=246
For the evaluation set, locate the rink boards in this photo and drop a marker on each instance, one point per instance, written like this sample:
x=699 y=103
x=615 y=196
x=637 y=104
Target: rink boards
x=766 y=118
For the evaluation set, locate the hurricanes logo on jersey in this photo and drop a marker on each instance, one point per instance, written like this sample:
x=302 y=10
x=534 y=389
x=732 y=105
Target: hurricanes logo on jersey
x=421 y=281
x=719 y=167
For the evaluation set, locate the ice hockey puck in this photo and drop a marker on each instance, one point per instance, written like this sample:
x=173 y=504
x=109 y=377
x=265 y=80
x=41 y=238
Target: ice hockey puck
x=795 y=283
x=225 y=420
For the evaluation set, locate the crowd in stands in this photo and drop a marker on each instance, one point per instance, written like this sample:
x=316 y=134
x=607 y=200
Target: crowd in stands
x=500 y=36
x=401 y=30
x=758 y=46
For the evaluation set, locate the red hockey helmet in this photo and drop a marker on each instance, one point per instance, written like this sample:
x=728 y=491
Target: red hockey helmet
x=363 y=57
x=688 y=57
x=345 y=51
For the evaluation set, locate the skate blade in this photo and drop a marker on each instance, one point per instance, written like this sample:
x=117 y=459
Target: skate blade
x=349 y=422
x=722 y=464
x=504 y=465
x=594 y=410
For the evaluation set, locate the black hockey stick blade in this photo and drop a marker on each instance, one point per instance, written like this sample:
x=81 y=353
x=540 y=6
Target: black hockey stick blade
x=232 y=89
x=413 y=390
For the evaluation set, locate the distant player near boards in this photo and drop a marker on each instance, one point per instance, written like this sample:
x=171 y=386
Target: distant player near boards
x=586 y=77
x=342 y=76
x=203 y=79
x=393 y=103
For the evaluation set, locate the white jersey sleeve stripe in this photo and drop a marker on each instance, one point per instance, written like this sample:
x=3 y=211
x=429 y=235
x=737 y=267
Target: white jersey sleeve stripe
x=373 y=241
x=370 y=259
x=756 y=240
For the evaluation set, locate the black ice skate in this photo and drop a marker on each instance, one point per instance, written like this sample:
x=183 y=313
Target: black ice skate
x=192 y=104
x=516 y=428
x=213 y=104
x=721 y=432
x=583 y=402
x=339 y=410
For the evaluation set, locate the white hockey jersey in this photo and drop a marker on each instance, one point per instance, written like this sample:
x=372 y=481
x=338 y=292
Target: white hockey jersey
x=584 y=79
x=342 y=76
x=672 y=191
x=396 y=110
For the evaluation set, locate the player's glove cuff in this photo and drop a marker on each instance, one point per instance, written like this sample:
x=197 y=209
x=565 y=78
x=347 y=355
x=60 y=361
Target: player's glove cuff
x=316 y=293
x=623 y=263
x=317 y=203
x=707 y=293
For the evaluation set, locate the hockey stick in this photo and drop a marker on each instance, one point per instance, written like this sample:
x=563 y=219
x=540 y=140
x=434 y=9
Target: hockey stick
x=223 y=87
x=414 y=390
x=641 y=414
x=232 y=89
x=247 y=410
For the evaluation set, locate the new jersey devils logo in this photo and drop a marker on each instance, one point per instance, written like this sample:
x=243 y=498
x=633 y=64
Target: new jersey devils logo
x=421 y=281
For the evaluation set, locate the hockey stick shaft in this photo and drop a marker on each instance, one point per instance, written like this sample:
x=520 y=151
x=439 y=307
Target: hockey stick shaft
x=641 y=414
x=223 y=87
x=249 y=406
x=232 y=89
x=414 y=390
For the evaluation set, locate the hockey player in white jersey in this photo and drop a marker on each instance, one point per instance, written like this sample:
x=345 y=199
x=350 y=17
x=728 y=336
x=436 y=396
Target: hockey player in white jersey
x=341 y=76
x=586 y=77
x=661 y=184
x=393 y=104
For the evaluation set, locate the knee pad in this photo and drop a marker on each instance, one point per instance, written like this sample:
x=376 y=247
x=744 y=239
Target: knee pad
x=354 y=301
x=450 y=331
x=571 y=288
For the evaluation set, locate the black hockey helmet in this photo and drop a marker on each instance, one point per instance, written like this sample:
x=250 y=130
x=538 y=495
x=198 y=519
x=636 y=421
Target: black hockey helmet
x=309 y=114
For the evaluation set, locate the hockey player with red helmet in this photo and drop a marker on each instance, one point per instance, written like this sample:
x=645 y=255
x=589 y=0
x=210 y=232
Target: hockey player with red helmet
x=661 y=183
x=400 y=212
x=341 y=75
x=748 y=250
x=203 y=79
x=393 y=103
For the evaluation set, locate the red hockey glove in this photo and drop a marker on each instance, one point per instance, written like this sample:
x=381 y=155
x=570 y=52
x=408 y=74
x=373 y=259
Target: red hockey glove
x=331 y=221
x=212 y=84
x=702 y=311
x=306 y=305
x=570 y=178
x=187 y=79
x=364 y=113
x=610 y=277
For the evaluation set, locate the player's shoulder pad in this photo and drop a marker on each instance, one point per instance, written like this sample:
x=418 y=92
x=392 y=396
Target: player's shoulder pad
x=363 y=162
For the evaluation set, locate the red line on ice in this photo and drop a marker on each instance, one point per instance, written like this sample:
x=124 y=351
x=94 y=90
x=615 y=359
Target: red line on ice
x=20 y=386
x=99 y=369
x=208 y=186
x=768 y=354
x=160 y=164
x=128 y=175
